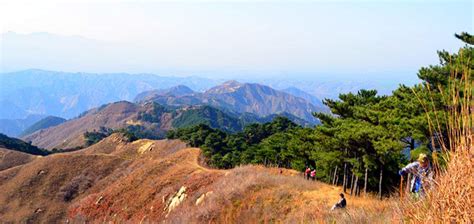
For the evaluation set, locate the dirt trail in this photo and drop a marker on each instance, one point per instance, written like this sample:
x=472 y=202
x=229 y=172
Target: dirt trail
x=161 y=181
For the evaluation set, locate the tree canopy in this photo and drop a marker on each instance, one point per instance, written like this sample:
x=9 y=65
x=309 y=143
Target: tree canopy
x=366 y=134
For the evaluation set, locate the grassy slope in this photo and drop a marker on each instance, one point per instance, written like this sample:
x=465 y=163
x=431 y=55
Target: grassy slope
x=10 y=158
x=119 y=181
x=257 y=194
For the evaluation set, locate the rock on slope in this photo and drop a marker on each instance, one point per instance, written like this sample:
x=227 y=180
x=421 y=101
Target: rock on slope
x=163 y=181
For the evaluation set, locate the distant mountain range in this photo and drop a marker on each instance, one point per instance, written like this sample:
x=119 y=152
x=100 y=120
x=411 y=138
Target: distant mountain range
x=147 y=118
x=37 y=93
x=237 y=97
x=326 y=87
x=175 y=91
x=66 y=95
x=34 y=94
x=49 y=121
x=14 y=127
x=310 y=98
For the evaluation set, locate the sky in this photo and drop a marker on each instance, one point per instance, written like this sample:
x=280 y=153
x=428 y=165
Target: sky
x=308 y=39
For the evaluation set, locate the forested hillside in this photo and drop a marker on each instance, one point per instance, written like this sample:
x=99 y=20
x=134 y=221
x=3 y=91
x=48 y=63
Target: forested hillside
x=360 y=145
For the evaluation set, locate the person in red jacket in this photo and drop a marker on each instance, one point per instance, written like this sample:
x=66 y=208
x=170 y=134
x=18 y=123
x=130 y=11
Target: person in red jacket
x=307 y=173
x=313 y=174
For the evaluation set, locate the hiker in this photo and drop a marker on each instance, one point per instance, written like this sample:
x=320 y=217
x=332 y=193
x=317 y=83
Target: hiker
x=422 y=175
x=313 y=174
x=341 y=203
x=307 y=173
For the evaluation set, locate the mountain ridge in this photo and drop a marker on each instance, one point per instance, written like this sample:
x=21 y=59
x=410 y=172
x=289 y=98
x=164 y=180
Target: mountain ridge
x=49 y=121
x=14 y=127
x=242 y=98
x=143 y=120
x=67 y=94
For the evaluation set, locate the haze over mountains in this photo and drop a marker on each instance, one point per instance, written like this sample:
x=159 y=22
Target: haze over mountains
x=14 y=127
x=37 y=93
x=228 y=107
x=66 y=94
x=239 y=98
x=69 y=94
x=29 y=95
x=49 y=121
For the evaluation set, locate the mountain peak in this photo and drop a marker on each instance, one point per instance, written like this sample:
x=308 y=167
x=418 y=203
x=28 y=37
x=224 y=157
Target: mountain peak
x=226 y=87
x=232 y=83
x=179 y=90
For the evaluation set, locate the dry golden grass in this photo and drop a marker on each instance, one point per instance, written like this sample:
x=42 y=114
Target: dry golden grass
x=451 y=200
x=120 y=182
x=255 y=194
x=10 y=158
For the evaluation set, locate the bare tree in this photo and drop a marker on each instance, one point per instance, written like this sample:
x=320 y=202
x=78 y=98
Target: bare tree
x=365 y=182
x=334 y=177
x=380 y=182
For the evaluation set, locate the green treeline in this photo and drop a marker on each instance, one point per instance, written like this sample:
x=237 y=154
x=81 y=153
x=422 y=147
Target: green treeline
x=361 y=144
x=226 y=150
x=210 y=116
x=21 y=146
x=131 y=133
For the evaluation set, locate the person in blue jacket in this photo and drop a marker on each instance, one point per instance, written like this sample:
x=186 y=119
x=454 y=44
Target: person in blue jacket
x=422 y=175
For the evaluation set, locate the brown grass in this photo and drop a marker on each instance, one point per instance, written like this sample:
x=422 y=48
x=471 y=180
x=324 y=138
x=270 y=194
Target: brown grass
x=70 y=134
x=11 y=158
x=452 y=198
x=255 y=194
x=120 y=182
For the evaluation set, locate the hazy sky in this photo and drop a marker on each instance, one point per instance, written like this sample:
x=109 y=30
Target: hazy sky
x=344 y=38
